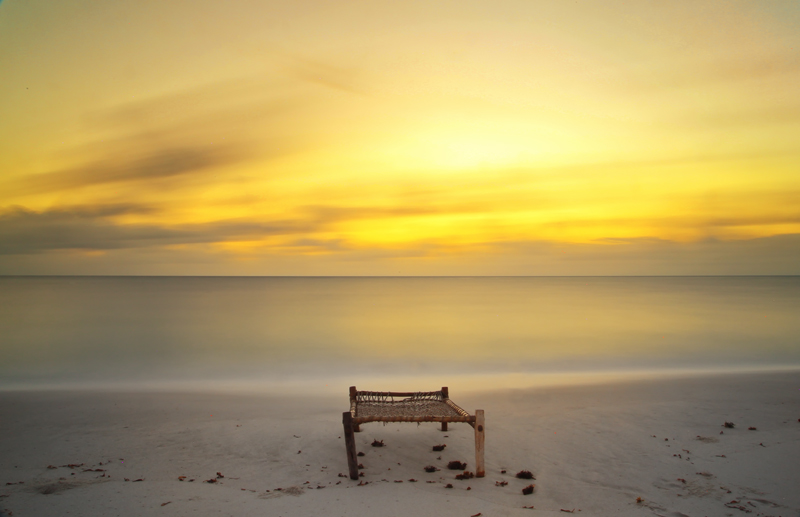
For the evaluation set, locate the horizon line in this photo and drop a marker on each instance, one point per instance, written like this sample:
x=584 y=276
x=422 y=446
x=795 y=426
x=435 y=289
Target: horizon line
x=398 y=276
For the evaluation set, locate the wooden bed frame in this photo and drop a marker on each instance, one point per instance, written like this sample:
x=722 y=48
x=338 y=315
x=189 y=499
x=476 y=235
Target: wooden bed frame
x=388 y=406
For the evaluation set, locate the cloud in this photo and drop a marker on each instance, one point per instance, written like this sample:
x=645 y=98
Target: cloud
x=325 y=74
x=775 y=255
x=742 y=117
x=164 y=139
x=91 y=228
x=696 y=222
x=712 y=72
x=135 y=165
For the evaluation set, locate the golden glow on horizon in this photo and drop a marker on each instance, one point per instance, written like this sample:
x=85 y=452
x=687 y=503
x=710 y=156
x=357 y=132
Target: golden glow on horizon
x=411 y=130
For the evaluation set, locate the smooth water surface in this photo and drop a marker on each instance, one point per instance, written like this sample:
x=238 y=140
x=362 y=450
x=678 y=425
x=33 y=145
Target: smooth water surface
x=314 y=331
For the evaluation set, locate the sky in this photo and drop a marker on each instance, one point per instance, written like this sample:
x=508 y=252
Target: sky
x=246 y=137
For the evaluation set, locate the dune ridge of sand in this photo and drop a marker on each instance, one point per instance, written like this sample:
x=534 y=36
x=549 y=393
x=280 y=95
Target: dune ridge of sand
x=632 y=448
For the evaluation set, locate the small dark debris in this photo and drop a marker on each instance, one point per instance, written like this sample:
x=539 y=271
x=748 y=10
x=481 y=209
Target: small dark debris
x=361 y=474
x=448 y=485
x=639 y=500
x=682 y=480
x=412 y=480
x=439 y=448
x=181 y=478
x=212 y=480
x=500 y=483
x=465 y=475
x=740 y=507
x=502 y=471
x=528 y=490
x=729 y=425
x=568 y=511
x=761 y=444
x=360 y=453
x=165 y=504
x=361 y=466
x=430 y=468
x=342 y=475
x=376 y=443
x=752 y=429
x=525 y=474
x=219 y=475
x=298 y=452
x=52 y=467
x=135 y=480
x=398 y=480
x=476 y=515
x=456 y=465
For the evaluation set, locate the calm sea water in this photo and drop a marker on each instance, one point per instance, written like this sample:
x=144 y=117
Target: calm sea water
x=317 y=332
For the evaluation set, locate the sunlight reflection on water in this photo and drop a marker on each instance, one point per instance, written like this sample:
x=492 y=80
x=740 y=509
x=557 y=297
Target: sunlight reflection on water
x=291 y=331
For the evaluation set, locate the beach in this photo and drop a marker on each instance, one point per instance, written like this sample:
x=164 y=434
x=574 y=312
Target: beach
x=627 y=447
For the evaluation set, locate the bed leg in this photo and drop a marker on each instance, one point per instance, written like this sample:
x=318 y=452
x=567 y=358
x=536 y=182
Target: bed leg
x=480 y=424
x=353 y=396
x=444 y=426
x=350 y=444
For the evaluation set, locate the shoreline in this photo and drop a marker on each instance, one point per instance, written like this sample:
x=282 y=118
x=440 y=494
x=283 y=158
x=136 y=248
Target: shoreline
x=334 y=386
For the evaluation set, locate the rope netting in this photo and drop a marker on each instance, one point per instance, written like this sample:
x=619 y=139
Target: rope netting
x=420 y=408
x=388 y=405
x=383 y=397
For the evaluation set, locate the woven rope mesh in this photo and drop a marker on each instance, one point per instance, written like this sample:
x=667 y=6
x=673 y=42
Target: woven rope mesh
x=382 y=397
x=408 y=408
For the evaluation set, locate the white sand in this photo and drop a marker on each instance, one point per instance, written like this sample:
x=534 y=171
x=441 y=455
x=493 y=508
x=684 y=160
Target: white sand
x=591 y=448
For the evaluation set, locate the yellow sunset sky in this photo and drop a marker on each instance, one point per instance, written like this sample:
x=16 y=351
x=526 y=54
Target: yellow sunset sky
x=399 y=138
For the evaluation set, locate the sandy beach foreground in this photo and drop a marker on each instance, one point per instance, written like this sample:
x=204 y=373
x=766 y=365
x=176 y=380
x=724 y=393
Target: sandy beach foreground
x=656 y=447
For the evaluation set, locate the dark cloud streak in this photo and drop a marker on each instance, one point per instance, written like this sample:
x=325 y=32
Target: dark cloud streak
x=25 y=231
x=167 y=138
x=147 y=165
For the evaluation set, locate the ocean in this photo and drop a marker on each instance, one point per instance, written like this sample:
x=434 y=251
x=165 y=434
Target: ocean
x=406 y=333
